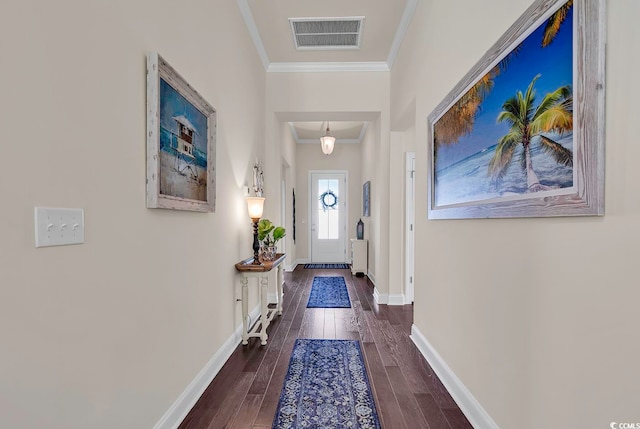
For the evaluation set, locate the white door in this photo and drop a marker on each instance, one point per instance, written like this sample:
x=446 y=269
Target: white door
x=328 y=217
x=410 y=199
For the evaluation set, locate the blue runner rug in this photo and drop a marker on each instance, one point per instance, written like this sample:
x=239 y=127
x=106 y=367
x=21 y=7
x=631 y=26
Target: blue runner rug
x=327 y=266
x=329 y=292
x=326 y=387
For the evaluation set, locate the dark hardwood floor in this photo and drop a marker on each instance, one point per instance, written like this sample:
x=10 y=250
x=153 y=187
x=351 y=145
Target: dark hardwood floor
x=407 y=392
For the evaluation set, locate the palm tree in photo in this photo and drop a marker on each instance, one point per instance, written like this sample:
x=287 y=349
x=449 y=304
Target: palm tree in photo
x=554 y=23
x=459 y=120
x=554 y=114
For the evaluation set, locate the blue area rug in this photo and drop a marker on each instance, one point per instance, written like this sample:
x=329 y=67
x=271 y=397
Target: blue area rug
x=329 y=292
x=327 y=266
x=326 y=387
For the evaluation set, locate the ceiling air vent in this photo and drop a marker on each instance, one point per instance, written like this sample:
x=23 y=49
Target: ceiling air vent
x=327 y=33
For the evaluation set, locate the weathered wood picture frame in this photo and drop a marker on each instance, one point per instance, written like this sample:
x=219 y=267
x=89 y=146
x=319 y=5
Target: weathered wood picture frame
x=535 y=100
x=181 y=133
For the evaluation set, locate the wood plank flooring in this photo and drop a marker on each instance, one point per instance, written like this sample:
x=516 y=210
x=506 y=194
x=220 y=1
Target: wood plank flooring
x=407 y=392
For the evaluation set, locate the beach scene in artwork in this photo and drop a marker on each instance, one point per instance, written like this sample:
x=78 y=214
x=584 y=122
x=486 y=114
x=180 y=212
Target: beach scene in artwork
x=183 y=146
x=511 y=134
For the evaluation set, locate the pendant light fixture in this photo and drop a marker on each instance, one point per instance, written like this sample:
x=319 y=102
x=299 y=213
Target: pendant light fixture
x=327 y=141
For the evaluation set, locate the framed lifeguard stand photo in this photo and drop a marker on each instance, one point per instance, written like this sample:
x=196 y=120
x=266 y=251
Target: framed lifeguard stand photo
x=181 y=135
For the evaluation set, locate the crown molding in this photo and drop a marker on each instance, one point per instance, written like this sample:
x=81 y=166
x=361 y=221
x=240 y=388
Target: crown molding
x=409 y=9
x=245 y=10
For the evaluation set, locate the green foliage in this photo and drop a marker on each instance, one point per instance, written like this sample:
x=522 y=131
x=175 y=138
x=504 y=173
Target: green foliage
x=269 y=234
x=264 y=228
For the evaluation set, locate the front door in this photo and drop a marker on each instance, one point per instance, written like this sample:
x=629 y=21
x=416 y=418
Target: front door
x=328 y=217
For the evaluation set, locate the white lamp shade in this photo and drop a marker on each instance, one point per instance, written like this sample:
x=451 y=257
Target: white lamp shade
x=255 y=205
x=327 y=143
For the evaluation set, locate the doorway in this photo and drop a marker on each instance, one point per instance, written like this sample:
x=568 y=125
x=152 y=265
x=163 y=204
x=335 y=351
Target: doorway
x=410 y=200
x=328 y=208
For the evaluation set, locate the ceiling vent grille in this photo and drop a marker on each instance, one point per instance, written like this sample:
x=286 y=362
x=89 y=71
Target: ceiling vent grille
x=327 y=33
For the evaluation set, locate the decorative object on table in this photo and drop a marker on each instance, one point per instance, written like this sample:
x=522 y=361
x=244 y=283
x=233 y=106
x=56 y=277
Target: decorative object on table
x=255 y=207
x=327 y=141
x=329 y=200
x=181 y=132
x=269 y=235
x=326 y=386
x=258 y=179
x=336 y=266
x=294 y=216
x=329 y=292
x=366 y=198
x=522 y=134
x=360 y=230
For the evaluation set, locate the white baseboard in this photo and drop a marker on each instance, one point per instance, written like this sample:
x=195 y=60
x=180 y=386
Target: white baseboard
x=290 y=268
x=372 y=278
x=380 y=298
x=396 y=299
x=471 y=408
x=181 y=407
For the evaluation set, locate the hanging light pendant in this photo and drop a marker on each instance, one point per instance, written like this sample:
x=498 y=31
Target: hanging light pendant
x=327 y=141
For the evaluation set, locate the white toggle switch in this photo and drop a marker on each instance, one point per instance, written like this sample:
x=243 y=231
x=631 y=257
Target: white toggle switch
x=52 y=226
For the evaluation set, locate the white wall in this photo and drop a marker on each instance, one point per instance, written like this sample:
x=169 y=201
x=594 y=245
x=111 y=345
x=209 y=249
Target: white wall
x=108 y=334
x=537 y=317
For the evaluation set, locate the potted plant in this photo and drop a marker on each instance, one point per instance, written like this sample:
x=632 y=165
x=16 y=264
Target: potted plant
x=269 y=235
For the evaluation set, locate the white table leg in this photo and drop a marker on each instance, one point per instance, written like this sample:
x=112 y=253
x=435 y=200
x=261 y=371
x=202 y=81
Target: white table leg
x=279 y=292
x=245 y=310
x=264 y=308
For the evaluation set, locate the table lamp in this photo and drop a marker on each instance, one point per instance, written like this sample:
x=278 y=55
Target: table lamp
x=255 y=206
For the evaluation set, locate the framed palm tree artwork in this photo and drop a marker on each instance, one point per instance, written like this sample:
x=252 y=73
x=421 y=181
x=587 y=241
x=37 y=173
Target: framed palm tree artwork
x=522 y=134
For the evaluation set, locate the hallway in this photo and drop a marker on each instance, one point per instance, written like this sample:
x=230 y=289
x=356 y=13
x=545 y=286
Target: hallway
x=408 y=394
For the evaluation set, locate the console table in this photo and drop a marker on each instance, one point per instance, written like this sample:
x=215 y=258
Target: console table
x=248 y=269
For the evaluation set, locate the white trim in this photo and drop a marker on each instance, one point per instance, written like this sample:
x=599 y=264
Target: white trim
x=302 y=67
x=401 y=31
x=245 y=10
x=396 y=299
x=188 y=398
x=409 y=226
x=372 y=278
x=294 y=133
x=380 y=298
x=471 y=408
x=363 y=131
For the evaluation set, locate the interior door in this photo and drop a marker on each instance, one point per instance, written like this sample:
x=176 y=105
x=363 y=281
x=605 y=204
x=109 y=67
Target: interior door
x=410 y=200
x=328 y=217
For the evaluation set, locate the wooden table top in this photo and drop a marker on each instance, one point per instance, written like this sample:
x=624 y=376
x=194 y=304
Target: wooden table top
x=248 y=266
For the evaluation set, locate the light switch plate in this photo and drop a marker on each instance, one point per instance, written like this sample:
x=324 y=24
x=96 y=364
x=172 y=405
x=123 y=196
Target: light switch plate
x=58 y=227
